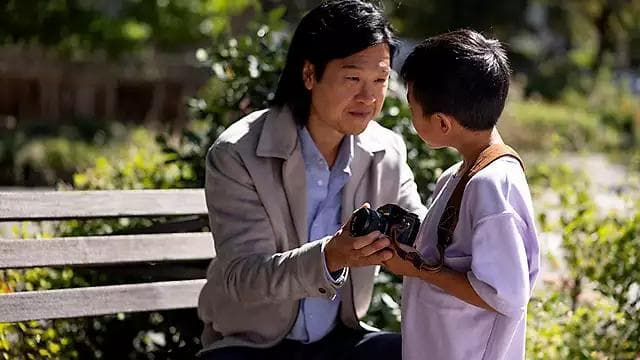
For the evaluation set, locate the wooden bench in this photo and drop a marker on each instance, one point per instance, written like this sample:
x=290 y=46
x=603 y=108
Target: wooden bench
x=109 y=251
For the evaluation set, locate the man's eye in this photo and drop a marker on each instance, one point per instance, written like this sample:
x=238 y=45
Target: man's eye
x=353 y=78
x=381 y=80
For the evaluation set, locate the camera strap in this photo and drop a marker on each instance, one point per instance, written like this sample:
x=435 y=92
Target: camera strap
x=449 y=218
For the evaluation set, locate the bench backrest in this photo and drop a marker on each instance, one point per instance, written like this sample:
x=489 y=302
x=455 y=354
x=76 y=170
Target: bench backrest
x=102 y=250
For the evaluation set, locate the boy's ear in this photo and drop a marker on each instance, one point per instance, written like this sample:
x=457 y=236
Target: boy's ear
x=308 y=75
x=445 y=122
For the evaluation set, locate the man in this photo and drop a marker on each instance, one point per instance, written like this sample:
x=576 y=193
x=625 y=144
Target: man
x=288 y=280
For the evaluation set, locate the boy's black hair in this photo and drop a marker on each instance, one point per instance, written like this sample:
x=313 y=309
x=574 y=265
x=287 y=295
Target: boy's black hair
x=460 y=73
x=333 y=30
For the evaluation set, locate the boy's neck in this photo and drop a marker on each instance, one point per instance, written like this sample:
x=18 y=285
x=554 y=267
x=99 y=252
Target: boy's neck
x=473 y=143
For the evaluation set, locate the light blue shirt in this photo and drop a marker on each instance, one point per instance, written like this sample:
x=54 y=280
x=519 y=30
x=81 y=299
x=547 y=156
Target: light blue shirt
x=318 y=316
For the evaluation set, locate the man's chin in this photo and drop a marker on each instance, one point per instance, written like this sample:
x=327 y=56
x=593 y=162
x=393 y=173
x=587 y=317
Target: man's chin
x=359 y=128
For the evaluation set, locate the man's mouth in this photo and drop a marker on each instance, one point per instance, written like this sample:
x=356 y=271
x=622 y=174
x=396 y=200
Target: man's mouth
x=361 y=114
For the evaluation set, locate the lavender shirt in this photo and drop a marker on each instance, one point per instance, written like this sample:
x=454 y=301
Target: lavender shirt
x=496 y=246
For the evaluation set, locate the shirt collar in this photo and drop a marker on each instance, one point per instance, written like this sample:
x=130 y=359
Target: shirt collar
x=312 y=155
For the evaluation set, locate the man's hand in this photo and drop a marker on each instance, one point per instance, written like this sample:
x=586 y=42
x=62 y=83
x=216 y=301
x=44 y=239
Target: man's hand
x=343 y=250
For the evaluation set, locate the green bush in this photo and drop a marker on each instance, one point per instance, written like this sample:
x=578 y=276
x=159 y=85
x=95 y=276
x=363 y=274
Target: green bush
x=40 y=339
x=590 y=312
x=611 y=101
x=139 y=164
x=541 y=126
x=384 y=311
x=598 y=114
x=557 y=331
x=40 y=154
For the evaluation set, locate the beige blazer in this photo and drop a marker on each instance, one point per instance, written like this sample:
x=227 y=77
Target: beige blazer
x=256 y=196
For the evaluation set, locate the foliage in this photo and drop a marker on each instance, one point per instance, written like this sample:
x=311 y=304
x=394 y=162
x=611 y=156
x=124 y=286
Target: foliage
x=245 y=71
x=112 y=158
x=634 y=162
x=40 y=154
x=589 y=312
x=500 y=18
x=556 y=331
x=78 y=28
x=603 y=118
x=542 y=126
x=140 y=164
x=384 y=311
x=611 y=100
x=556 y=45
x=40 y=339
x=570 y=41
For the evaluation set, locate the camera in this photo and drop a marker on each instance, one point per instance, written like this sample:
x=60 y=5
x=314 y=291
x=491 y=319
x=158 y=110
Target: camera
x=390 y=219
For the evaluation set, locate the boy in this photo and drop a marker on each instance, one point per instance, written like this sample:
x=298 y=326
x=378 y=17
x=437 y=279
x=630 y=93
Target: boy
x=474 y=306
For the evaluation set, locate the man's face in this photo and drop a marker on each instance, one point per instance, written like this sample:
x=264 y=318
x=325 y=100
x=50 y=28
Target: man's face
x=351 y=91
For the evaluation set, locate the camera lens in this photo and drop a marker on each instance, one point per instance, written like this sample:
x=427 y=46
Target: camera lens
x=364 y=221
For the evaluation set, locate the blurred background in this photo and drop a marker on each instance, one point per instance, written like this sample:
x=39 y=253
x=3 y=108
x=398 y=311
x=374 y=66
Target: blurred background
x=129 y=94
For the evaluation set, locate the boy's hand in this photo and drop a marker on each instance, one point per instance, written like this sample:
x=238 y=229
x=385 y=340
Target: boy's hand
x=399 y=266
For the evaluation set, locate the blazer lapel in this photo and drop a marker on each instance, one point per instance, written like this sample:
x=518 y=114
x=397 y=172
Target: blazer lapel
x=359 y=167
x=294 y=181
x=279 y=138
x=365 y=150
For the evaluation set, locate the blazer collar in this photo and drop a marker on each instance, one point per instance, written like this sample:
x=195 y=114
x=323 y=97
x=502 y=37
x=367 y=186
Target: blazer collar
x=368 y=141
x=279 y=134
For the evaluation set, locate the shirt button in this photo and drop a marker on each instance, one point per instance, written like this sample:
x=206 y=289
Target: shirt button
x=320 y=182
x=322 y=291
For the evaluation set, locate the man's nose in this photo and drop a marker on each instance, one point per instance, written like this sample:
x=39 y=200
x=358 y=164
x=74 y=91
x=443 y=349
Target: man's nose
x=366 y=95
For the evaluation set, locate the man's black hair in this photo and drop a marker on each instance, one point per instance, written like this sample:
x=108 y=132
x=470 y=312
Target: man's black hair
x=460 y=73
x=333 y=30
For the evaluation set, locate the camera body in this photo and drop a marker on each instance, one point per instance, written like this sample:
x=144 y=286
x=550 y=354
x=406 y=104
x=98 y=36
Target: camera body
x=390 y=219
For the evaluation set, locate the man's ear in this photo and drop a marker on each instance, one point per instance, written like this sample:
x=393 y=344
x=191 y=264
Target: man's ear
x=308 y=75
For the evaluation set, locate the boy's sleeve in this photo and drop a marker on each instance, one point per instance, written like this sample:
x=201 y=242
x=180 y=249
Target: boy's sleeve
x=499 y=268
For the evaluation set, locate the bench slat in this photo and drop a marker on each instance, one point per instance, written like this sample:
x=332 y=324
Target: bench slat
x=52 y=205
x=96 y=250
x=101 y=300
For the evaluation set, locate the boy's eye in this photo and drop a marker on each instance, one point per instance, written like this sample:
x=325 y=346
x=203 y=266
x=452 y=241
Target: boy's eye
x=353 y=78
x=381 y=80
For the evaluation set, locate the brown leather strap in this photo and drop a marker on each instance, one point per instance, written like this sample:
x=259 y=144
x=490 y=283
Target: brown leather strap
x=449 y=218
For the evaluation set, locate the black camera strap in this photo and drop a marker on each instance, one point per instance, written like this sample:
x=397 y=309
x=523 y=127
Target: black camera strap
x=449 y=218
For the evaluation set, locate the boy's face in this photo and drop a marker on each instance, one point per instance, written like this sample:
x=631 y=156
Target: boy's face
x=427 y=125
x=351 y=91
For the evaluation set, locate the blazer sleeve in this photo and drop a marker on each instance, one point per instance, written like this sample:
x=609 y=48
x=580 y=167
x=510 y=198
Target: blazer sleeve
x=247 y=263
